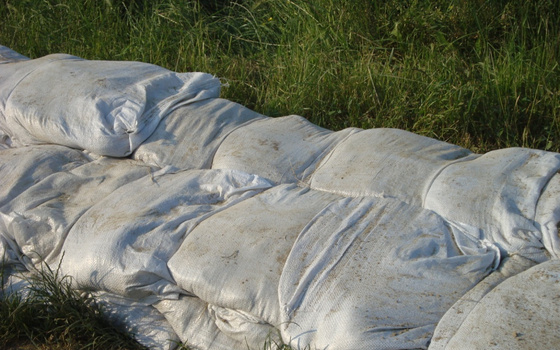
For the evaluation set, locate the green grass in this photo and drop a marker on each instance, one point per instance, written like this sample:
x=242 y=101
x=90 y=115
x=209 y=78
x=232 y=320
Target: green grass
x=481 y=74
x=53 y=315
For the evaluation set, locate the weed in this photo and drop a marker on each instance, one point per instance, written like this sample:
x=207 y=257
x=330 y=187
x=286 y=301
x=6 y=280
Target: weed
x=52 y=313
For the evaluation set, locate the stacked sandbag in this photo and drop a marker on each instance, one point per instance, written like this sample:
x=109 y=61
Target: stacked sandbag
x=105 y=107
x=385 y=163
x=39 y=219
x=141 y=319
x=21 y=168
x=233 y=261
x=452 y=320
x=8 y=55
x=523 y=312
x=376 y=273
x=227 y=229
x=132 y=233
x=492 y=199
x=192 y=320
x=547 y=216
x=499 y=192
x=282 y=150
x=189 y=136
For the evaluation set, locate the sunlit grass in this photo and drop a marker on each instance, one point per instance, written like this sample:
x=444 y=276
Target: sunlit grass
x=49 y=313
x=480 y=74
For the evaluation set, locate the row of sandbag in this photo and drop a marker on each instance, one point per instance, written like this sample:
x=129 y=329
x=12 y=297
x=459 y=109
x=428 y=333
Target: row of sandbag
x=505 y=198
x=198 y=322
x=41 y=165
x=225 y=252
x=111 y=108
x=507 y=194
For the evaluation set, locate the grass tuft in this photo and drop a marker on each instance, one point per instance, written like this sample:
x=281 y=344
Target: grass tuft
x=51 y=314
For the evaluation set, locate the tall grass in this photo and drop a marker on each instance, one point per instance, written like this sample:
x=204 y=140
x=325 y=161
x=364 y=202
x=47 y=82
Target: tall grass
x=482 y=74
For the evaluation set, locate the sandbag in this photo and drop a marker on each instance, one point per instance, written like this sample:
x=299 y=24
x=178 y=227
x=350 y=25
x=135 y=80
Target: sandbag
x=385 y=163
x=376 y=273
x=39 y=219
x=195 y=324
x=498 y=192
x=453 y=318
x=131 y=234
x=234 y=259
x=282 y=150
x=190 y=135
x=5 y=257
x=106 y=107
x=522 y=313
x=144 y=322
x=228 y=229
x=547 y=216
x=21 y=168
x=8 y=55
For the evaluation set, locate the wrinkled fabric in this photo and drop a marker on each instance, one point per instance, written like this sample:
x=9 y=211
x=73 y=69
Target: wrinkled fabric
x=360 y=276
x=195 y=219
x=522 y=312
x=105 y=107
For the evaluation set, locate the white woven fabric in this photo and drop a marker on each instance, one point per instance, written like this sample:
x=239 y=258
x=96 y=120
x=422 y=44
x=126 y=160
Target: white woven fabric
x=105 y=107
x=227 y=229
x=521 y=313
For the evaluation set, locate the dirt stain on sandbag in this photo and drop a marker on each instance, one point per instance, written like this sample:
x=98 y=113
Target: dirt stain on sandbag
x=274 y=144
x=233 y=256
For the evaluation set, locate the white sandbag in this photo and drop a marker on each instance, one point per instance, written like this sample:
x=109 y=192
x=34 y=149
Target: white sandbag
x=521 y=313
x=131 y=234
x=376 y=273
x=245 y=328
x=385 y=163
x=193 y=321
x=12 y=72
x=234 y=259
x=282 y=150
x=498 y=192
x=372 y=239
x=8 y=55
x=7 y=257
x=145 y=323
x=547 y=216
x=190 y=135
x=38 y=220
x=15 y=283
x=449 y=324
x=106 y=107
x=20 y=168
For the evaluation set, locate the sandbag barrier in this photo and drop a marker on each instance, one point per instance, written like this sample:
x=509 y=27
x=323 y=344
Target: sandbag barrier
x=195 y=219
